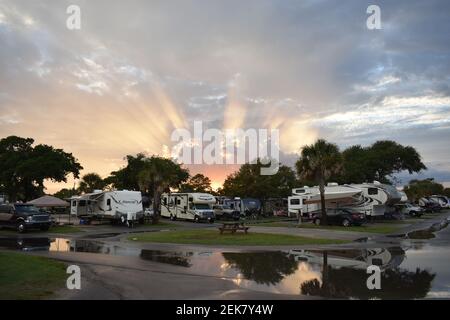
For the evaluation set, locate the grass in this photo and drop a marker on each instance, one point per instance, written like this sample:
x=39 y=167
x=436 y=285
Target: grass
x=383 y=229
x=64 y=229
x=239 y=238
x=29 y=277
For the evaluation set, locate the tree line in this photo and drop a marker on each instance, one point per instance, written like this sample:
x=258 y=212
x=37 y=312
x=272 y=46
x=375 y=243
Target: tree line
x=24 y=168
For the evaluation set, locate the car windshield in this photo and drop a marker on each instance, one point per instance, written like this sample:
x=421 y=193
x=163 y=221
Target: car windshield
x=226 y=207
x=27 y=209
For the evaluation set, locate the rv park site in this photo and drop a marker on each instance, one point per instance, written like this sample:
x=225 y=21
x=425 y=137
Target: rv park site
x=173 y=237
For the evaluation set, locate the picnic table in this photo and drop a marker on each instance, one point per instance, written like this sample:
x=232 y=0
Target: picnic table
x=233 y=227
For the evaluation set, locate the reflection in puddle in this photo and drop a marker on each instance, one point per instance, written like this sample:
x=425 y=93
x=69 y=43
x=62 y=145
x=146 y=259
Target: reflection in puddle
x=419 y=272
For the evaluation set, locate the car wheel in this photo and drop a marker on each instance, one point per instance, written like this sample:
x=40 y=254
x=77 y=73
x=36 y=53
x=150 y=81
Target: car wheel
x=196 y=219
x=345 y=223
x=413 y=213
x=172 y=218
x=21 y=227
x=317 y=221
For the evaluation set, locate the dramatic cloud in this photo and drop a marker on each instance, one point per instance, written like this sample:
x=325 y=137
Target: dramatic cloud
x=137 y=70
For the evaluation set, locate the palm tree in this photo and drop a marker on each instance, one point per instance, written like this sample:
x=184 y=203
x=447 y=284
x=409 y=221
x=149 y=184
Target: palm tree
x=158 y=175
x=318 y=162
x=90 y=182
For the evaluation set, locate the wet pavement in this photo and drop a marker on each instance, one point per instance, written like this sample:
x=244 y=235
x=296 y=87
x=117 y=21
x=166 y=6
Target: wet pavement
x=414 y=265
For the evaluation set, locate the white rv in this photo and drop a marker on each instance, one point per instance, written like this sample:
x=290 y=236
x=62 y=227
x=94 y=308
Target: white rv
x=122 y=206
x=372 y=199
x=378 y=198
x=189 y=206
x=306 y=200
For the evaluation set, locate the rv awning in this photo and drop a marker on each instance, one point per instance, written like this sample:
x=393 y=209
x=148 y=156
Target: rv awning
x=48 y=202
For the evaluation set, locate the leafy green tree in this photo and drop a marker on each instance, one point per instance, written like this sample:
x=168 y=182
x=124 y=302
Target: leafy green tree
x=197 y=183
x=417 y=189
x=24 y=168
x=159 y=175
x=66 y=193
x=380 y=162
x=446 y=192
x=248 y=182
x=90 y=182
x=127 y=177
x=319 y=162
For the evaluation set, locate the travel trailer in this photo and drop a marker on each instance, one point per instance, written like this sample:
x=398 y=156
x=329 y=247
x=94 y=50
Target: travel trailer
x=372 y=199
x=246 y=206
x=118 y=206
x=443 y=201
x=188 y=206
x=306 y=200
x=379 y=198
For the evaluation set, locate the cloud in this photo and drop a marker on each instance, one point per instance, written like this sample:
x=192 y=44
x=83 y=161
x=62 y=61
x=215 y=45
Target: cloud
x=138 y=70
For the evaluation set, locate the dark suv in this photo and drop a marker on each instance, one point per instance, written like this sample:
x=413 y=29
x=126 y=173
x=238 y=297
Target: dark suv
x=23 y=216
x=342 y=217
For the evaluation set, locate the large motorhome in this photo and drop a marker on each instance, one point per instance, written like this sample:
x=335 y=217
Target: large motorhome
x=378 y=198
x=372 y=199
x=188 y=206
x=306 y=200
x=118 y=206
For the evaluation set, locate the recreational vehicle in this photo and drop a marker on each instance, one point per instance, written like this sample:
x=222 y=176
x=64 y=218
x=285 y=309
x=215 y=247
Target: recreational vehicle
x=3 y=198
x=443 y=201
x=118 y=206
x=372 y=199
x=306 y=200
x=189 y=206
x=378 y=198
x=248 y=207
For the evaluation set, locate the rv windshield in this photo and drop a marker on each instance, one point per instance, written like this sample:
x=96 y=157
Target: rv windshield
x=200 y=206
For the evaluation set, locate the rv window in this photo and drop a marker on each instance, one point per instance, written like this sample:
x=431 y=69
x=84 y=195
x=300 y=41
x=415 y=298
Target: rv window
x=165 y=201
x=372 y=191
x=108 y=202
x=74 y=203
x=295 y=201
x=178 y=201
x=191 y=199
x=82 y=203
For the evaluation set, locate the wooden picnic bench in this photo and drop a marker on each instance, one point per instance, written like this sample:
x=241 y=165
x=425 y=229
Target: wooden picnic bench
x=233 y=227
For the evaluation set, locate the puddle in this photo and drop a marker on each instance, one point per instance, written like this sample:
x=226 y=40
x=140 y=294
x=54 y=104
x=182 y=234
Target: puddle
x=406 y=273
x=427 y=233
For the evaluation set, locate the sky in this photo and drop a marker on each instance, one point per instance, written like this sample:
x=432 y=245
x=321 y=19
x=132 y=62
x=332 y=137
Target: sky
x=138 y=70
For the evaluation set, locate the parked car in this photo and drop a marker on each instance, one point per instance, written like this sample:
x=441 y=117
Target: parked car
x=343 y=217
x=23 y=217
x=429 y=205
x=225 y=212
x=410 y=209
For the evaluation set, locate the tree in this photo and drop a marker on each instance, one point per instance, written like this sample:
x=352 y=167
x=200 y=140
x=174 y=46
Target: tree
x=24 y=168
x=159 y=175
x=248 y=182
x=319 y=162
x=127 y=177
x=417 y=189
x=90 y=182
x=446 y=192
x=380 y=162
x=66 y=193
x=197 y=183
